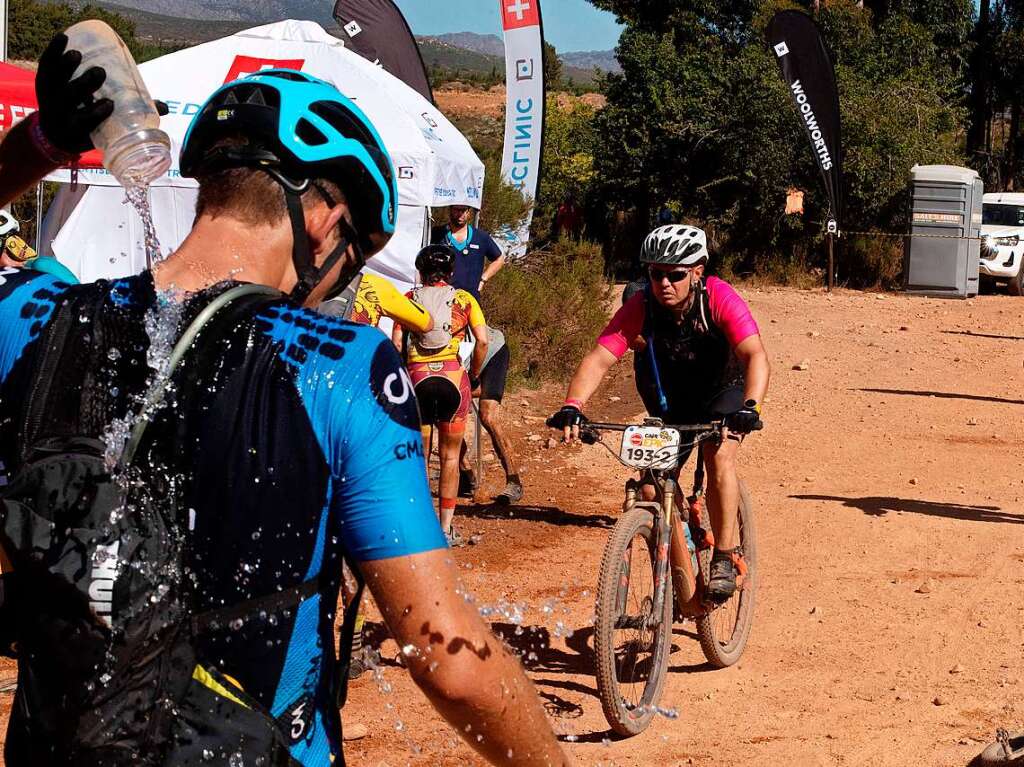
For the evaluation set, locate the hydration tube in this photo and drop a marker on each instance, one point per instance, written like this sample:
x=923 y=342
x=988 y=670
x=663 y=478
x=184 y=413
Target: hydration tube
x=649 y=338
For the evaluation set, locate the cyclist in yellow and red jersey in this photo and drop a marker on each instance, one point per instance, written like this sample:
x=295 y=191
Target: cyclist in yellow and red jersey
x=442 y=385
x=370 y=297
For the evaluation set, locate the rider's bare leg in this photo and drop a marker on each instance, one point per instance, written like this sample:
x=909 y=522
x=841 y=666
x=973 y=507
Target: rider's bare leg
x=448 y=486
x=492 y=421
x=723 y=494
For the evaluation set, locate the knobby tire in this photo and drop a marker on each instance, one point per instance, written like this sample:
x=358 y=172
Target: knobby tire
x=723 y=638
x=630 y=717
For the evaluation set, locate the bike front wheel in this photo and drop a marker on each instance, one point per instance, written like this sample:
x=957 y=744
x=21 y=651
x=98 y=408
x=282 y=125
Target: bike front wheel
x=631 y=643
x=724 y=629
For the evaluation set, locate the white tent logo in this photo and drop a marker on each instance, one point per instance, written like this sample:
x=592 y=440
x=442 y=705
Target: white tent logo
x=353 y=28
x=781 y=49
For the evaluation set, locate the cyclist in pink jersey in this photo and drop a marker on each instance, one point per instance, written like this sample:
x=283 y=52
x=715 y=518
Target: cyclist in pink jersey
x=698 y=356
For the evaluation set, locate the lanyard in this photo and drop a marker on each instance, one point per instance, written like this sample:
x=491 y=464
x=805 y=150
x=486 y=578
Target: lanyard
x=455 y=244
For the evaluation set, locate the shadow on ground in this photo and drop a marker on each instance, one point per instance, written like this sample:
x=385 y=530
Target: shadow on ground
x=879 y=506
x=944 y=395
x=982 y=335
x=551 y=515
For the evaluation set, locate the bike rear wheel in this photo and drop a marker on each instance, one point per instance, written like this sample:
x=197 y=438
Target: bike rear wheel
x=724 y=629
x=632 y=660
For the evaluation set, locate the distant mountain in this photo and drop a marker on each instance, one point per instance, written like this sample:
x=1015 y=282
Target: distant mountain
x=438 y=54
x=489 y=45
x=603 y=60
x=179 y=23
x=492 y=45
x=251 y=12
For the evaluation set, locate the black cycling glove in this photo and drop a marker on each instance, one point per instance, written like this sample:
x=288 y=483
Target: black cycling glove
x=567 y=417
x=68 y=111
x=744 y=420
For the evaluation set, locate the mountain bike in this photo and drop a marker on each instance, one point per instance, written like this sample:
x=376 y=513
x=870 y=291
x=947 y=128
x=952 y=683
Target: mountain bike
x=640 y=592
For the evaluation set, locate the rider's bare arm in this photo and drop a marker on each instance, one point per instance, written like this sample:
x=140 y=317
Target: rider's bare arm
x=589 y=374
x=22 y=164
x=479 y=351
x=458 y=663
x=751 y=354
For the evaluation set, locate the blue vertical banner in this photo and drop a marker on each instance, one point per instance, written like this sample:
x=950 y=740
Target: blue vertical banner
x=524 y=110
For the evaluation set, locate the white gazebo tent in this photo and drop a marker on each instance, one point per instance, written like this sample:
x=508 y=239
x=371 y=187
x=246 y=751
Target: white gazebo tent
x=94 y=232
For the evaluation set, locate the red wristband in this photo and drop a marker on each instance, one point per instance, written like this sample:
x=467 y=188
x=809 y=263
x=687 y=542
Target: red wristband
x=571 y=402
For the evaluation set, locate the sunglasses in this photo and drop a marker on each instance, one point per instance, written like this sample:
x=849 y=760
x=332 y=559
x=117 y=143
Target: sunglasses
x=673 y=276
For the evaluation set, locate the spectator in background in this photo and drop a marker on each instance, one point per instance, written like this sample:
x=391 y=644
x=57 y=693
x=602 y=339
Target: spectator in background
x=490 y=391
x=477 y=256
x=568 y=219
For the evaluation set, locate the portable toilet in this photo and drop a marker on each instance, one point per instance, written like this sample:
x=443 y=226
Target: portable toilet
x=945 y=203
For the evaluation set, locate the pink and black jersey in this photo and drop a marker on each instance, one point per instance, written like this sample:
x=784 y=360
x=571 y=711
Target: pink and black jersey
x=681 y=365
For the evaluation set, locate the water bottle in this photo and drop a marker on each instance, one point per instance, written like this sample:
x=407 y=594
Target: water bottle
x=135 y=150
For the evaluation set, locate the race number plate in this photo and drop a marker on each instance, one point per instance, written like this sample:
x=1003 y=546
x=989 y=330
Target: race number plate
x=650 y=447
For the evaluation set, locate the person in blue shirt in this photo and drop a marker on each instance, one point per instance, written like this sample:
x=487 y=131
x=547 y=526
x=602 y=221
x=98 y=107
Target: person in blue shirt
x=478 y=256
x=294 y=438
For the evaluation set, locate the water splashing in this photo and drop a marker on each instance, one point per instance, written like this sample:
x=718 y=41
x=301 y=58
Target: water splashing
x=138 y=196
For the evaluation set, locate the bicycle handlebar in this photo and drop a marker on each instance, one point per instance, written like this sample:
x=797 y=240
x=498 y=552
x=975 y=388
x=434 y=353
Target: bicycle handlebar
x=595 y=426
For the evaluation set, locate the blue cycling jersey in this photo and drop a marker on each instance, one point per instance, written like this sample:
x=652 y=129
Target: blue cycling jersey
x=298 y=438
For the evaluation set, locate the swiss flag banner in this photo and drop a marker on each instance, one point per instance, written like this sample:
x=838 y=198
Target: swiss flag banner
x=516 y=14
x=249 y=65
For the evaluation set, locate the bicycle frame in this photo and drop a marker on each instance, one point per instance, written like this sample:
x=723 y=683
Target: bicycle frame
x=662 y=510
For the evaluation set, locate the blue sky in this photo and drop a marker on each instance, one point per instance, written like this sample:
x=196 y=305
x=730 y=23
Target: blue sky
x=569 y=25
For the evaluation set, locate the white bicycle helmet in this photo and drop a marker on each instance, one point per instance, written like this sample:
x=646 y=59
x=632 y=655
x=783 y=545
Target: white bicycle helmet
x=8 y=224
x=675 y=245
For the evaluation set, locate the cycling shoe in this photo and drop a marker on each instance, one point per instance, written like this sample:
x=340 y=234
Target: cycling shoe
x=722 y=579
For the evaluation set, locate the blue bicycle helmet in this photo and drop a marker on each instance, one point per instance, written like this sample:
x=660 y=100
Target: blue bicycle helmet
x=300 y=128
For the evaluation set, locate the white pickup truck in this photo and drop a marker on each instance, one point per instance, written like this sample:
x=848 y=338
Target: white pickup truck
x=1002 y=239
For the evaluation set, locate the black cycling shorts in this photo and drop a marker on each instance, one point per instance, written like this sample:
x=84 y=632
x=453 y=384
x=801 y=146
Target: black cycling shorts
x=728 y=400
x=494 y=376
x=439 y=398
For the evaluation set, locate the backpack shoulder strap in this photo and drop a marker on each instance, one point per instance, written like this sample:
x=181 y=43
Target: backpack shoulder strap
x=158 y=390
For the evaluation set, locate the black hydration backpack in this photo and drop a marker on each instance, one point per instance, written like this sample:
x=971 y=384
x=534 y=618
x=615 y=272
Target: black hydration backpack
x=98 y=604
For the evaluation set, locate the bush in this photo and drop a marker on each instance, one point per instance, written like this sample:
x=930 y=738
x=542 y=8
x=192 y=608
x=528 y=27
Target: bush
x=551 y=306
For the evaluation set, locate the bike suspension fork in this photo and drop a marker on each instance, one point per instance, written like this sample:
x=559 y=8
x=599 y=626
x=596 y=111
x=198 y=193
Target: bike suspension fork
x=664 y=538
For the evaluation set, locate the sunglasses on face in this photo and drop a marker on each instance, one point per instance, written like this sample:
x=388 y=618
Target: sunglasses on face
x=673 y=276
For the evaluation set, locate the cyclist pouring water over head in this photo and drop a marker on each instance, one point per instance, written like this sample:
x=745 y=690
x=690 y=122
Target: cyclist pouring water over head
x=698 y=356
x=186 y=615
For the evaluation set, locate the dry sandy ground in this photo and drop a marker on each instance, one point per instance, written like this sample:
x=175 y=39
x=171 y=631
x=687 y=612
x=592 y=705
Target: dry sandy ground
x=463 y=102
x=888 y=487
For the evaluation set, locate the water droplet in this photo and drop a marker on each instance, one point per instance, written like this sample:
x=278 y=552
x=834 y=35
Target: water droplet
x=236 y=760
x=114 y=354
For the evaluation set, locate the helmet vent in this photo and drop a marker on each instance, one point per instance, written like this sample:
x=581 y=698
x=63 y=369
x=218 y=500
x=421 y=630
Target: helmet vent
x=309 y=134
x=256 y=97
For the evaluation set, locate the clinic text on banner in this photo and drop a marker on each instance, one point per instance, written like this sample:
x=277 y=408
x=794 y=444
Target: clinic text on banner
x=524 y=113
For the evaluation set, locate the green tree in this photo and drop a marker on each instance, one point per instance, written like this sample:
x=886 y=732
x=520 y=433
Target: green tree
x=700 y=116
x=570 y=140
x=33 y=24
x=552 y=67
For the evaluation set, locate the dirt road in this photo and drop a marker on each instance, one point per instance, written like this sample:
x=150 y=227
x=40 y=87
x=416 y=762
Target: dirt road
x=888 y=486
